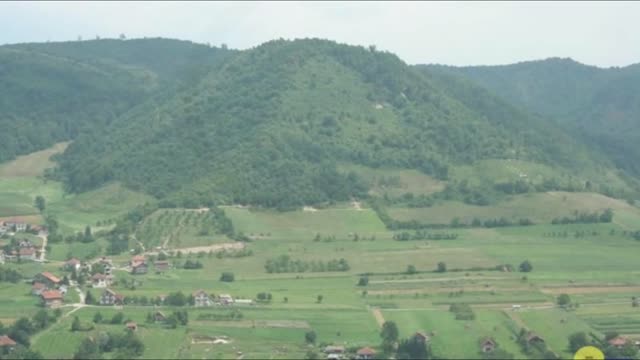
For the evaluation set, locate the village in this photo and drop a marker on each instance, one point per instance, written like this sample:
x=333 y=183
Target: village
x=24 y=249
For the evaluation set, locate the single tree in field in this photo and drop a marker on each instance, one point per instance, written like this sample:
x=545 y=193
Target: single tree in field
x=319 y=299
x=411 y=270
x=75 y=325
x=389 y=335
x=310 y=337
x=364 y=281
x=442 y=267
x=564 y=300
x=97 y=318
x=526 y=266
x=40 y=203
x=578 y=340
x=89 y=299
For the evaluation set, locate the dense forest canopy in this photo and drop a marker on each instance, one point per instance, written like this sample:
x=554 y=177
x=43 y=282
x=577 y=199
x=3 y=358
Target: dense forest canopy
x=600 y=106
x=193 y=124
x=55 y=91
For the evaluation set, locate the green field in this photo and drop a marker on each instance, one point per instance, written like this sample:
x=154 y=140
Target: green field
x=395 y=182
x=179 y=228
x=21 y=182
x=302 y=225
x=538 y=207
x=595 y=263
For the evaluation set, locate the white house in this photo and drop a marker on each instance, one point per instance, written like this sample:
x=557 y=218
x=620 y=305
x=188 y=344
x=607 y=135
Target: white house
x=225 y=299
x=201 y=299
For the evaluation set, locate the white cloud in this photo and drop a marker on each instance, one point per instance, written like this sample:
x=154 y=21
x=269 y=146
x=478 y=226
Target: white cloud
x=457 y=33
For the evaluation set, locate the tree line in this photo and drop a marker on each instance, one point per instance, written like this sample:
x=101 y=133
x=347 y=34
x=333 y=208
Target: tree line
x=284 y=264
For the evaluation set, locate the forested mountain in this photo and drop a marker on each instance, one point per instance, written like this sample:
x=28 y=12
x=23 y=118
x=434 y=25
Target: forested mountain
x=601 y=106
x=55 y=91
x=268 y=126
x=192 y=125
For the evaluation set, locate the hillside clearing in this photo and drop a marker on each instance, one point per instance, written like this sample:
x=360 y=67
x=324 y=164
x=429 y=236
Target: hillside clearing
x=538 y=207
x=33 y=164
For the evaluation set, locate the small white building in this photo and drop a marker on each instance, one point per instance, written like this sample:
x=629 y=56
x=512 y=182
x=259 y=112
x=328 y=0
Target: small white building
x=225 y=299
x=201 y=299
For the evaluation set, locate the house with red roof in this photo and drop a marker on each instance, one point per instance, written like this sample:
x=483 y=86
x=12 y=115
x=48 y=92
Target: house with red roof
x=24 y=253
x=138 y=265
x=37 y=288
x=72 y=264
x=7 y=342
x=366 y=353
x=51 y=298
x=618 y=341
x=48 y=279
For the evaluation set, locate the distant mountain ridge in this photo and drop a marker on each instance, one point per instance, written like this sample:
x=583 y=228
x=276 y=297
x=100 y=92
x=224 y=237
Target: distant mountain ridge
x=601 y=105
x=268 y=125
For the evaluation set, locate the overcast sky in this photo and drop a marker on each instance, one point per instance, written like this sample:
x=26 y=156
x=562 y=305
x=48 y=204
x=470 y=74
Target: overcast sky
x=471 y=33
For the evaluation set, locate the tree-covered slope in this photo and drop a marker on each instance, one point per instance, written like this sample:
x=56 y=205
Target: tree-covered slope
x=168 y=60
x=600 y=106
x=53 y=92
x=268 y=126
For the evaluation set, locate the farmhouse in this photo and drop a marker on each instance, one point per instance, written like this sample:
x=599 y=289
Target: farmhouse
x=37 y=288
x=161 y=266
x=366 y=353
x=101 y=280
x=138 y=265
x=48 y=279
x=534 y=338
x=131 y=326
x=25 y=243
x=51 y=298
x=618 y=341
x=15 y=225
x=487 y=345
x=7 y=342
x=225 y=299
x=109 y=297
x=201 y=299
x=72 y=264
x=139 y=268
x=332 y=349
x=24 y=254
x=158 y=316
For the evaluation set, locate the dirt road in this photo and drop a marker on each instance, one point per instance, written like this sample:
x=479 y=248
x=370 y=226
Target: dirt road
x=378 y=315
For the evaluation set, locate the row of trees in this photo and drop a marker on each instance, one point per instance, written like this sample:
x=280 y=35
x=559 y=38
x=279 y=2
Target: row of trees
x=284 y=264
x=585 y=218
x=423 y=235
x=126 y=345
x=10 y=275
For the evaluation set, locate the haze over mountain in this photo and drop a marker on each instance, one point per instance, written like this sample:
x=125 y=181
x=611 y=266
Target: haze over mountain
x=600 y=105
x=193 y=124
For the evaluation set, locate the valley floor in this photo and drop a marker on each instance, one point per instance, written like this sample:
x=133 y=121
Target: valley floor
x=595 y=264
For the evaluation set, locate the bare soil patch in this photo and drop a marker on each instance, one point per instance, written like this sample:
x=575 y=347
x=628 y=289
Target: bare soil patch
x=378 y=315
